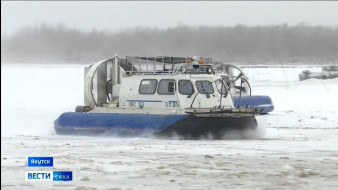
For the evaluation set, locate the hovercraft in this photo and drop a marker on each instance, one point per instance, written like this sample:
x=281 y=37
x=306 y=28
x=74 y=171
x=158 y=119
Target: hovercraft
x=160 y=96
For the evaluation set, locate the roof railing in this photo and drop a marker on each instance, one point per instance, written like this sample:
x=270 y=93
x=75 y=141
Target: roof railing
x=160 y=64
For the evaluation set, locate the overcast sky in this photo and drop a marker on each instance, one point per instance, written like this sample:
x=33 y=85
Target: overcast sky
x=119 y=15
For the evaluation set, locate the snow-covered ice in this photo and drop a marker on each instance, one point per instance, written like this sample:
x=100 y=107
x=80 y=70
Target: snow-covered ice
x=295 y=147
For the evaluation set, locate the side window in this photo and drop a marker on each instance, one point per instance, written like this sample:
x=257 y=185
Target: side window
x=204 y=87
x=166 y=87
x=185 y=87
x=148 y=86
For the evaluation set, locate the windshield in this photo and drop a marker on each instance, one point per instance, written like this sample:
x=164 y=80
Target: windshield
x=204 y=87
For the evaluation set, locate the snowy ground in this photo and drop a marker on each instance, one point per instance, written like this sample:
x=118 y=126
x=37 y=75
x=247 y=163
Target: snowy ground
x=296 y=146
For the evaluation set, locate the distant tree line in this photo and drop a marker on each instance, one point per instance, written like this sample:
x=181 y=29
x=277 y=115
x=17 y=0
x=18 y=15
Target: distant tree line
x=241 y=44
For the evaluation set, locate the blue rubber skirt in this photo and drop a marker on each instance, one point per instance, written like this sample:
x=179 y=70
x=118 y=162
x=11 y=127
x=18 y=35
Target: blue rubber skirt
x=261 y=103
x=189 y=126
x=119 y=124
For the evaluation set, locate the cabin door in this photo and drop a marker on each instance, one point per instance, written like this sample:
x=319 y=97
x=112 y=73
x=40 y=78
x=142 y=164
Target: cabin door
x=207 y=94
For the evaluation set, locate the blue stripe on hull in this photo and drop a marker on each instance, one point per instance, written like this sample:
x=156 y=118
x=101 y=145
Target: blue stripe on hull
x=262 y=103
x=78 y=120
